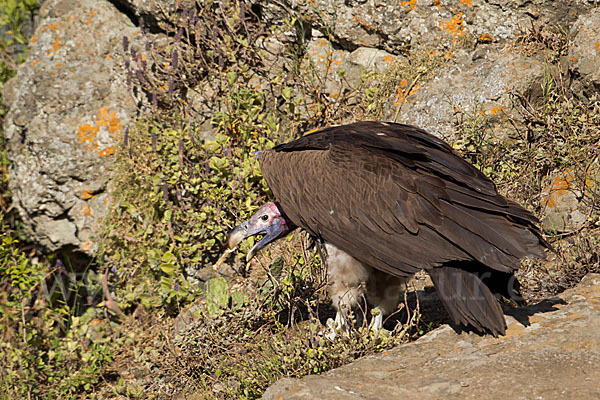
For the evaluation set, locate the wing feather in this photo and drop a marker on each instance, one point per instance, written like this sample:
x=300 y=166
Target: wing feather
x=397 y=198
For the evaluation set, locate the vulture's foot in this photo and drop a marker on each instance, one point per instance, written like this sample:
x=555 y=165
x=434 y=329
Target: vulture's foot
x=333 y=326
x=376 y=320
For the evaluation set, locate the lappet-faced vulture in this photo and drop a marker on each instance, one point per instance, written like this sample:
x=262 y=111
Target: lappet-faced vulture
x=389 y=200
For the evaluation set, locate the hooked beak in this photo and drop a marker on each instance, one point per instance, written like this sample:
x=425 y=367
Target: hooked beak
x=245 y=230
x=237 y=234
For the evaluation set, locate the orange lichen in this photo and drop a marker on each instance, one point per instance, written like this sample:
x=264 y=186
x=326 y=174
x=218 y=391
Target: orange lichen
x=467 y=2
x=92 y=13
x=55 y=46
x=107 y=151
x=87 y=211
x=33 y=39
x=35 y=62
x=390 y=60
x=403 y=83
x=86 y=194
x=496 y=109
x=87 y=133
x=597 y=47
x=454 y=27
x=106 y=120
x=561 y=185
x=573 y=59
x=437 y=3
x=364 y=23
x=486 y=38
x=411 y=3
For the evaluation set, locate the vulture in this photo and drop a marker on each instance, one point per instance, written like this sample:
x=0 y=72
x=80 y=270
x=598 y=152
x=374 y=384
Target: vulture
x=388 y=200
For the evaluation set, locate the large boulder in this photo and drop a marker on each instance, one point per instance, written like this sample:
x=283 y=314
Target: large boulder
x=556 y=356
x=396 y=25
x=472 y=88
x=584 y=54
x=69 y=105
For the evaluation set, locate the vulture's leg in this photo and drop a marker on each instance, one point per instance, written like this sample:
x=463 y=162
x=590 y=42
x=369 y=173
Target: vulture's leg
x=347 y=278
x=383 y=292
x=376 y=320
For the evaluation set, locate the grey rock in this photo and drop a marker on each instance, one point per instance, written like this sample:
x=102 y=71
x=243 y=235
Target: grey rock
x=366 y=59
x=338 y=69
x=471 y=87
x=153 y=12
x=326 y=61
x=69 y=105
x=393 y=26
x=564 y=210
x=556 y=356
x=584 y=54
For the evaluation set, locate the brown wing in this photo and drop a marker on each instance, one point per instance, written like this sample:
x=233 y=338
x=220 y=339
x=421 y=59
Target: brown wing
x=397 y=198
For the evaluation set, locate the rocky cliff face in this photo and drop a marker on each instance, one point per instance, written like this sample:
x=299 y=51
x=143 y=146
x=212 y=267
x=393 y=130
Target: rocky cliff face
x=70 y=103
x=556 y=355
x=68 y=107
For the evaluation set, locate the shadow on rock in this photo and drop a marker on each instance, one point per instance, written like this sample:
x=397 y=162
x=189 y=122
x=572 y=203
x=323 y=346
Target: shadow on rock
x=547 y=305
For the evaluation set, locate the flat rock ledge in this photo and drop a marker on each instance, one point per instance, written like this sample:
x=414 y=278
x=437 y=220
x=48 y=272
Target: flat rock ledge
x=556 y=357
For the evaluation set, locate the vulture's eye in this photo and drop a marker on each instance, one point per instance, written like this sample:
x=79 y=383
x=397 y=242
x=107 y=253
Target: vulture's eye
x=264 y=217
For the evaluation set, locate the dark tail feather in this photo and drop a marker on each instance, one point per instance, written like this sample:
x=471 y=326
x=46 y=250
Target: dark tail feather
x=468 y=300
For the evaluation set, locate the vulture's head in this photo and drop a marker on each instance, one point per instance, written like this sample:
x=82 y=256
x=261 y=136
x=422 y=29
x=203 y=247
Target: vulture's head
x=269 y=221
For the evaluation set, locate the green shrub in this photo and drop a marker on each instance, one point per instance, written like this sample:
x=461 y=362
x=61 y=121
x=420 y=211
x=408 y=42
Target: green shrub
x=240 y=341
x=176 y=198
x=45 y=351
x=16 y=18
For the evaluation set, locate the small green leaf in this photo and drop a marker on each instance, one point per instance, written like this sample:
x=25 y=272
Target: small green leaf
x=231 y=78
x=167 y=268
x=217 y=295
x=169 y=257
x=286 y=92
x=238 y=299
x=276 y=267
x=218 y=163
x=222 y=139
